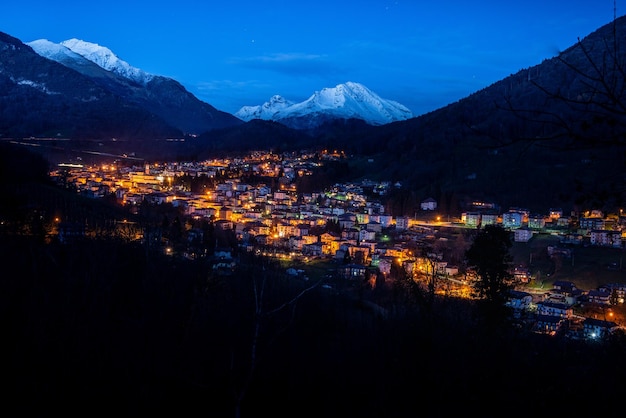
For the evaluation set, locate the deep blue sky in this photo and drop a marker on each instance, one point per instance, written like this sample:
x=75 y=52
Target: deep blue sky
x=423 y=54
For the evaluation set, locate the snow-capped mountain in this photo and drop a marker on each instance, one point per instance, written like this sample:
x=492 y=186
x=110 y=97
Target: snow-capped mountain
x=266 y=111
x=69 y=58
x=345 y=101
x=106 y=59
x=163 y=96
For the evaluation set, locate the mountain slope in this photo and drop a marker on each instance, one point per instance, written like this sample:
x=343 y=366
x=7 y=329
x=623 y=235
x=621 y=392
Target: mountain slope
x=344 y=101
x=106 y=59
x=545 y=134
x=162 y=96
x=40 y=97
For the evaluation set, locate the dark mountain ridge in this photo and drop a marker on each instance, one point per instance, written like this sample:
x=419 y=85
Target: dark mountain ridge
x=551 y=134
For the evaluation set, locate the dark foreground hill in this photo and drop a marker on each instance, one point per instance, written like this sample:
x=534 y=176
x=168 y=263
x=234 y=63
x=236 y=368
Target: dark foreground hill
x=99 y=327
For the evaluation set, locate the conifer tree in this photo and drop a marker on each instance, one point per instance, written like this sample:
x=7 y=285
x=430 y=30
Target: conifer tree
x=489 y=257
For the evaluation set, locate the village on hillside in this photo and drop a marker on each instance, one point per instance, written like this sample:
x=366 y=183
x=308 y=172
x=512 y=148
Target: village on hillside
x=274 y=220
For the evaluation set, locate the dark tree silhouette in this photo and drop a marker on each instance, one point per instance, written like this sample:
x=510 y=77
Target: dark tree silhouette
x=584 y=92
x=489 y=257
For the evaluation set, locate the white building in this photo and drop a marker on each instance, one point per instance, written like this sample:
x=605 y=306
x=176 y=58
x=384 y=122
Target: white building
x=428 y=204
x=523 y=234
x=402 y=222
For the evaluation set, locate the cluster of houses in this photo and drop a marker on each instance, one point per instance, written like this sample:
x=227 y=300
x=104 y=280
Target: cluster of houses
x=594 y=227
x=277 y=216
x=277 y=221
x=239 y=203
x=554 y=312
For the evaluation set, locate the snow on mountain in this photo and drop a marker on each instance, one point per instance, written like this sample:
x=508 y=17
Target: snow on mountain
x=345 y=101
x=67 y=57
x=161 y=96
x=266 y=111
x=49 y=49
x=106 y=59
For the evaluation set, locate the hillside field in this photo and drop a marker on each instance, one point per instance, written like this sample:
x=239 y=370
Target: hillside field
x=588 y=267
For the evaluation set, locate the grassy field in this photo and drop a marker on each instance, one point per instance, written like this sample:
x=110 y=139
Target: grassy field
x=588 y=267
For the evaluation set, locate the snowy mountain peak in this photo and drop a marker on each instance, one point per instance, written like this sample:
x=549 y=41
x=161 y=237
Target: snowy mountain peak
x=47 y=48
x=269 y=110
x=278 y=100
x=64 y=55
x=106 y=59
x=344 y=101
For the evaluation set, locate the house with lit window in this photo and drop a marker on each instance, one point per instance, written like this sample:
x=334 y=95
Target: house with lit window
x=521 y=274
x=314 y=249
x=558 y=309
x=519 y=300
x=471 y=219
x=428 y=204
x=402 y=222
x=352 y=271
x=588 y=224
x=548 y=324
x=522 y=234
x=366 y=235
x=157 y=198
x=600 y=296
x=224 y=225
x=563 y=222
x=617 y=291
x=225 y=213
x=564 y=292
x=555 y=213
x=384 y=264
x=536 y=221
x=223 y=261
x=594 y=329
x=374 y=226
x=512 y=219
x=362 y=218
x=385 y=220
x=346 y=220
x=605 y=238
x=488 y=218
